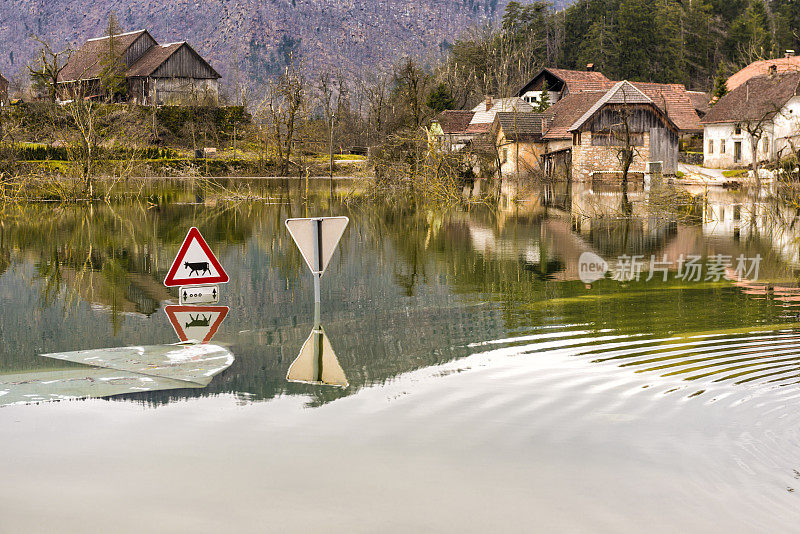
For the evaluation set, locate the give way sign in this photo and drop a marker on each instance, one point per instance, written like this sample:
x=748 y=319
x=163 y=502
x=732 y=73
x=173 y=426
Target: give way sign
x=195 y=263
x=317 y=239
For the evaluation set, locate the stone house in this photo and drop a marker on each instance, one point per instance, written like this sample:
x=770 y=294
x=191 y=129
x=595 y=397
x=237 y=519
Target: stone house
x=154 y=74
x=518 y=138
x=680 y=105
x=586 y=132
x=762 y=113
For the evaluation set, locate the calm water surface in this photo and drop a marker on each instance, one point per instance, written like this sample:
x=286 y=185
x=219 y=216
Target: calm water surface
x=490 y=389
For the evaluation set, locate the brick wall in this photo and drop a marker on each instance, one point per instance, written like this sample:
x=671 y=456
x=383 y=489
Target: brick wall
x=587 y=159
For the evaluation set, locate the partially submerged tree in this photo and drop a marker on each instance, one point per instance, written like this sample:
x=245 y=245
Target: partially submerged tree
x=411 y=85
x=284 y=106
x=333 y=96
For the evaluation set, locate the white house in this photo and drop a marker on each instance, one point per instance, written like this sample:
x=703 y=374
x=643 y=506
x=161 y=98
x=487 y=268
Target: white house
x=484 y=113
x=763 y=112
x=561 y=82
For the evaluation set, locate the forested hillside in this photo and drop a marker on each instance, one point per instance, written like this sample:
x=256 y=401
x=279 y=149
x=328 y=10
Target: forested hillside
x=689 y=42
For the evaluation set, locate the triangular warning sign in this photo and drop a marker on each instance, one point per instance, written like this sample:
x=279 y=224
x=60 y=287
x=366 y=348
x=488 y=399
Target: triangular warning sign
x=195 y=263
x=199 y=323
x=317 y=364
x=317 y=239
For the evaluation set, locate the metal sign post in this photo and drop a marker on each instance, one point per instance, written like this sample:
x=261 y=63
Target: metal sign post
x=317 y=239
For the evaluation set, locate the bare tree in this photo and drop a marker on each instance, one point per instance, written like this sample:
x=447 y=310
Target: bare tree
x=333 y=94
x=377 y=97
x=412 y=84
x=46 y=68
x=284 y=107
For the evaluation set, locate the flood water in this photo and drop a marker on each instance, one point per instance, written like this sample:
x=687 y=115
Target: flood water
x=490 y=389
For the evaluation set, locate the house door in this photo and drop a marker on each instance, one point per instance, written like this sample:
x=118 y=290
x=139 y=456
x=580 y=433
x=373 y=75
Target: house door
x=737 y=152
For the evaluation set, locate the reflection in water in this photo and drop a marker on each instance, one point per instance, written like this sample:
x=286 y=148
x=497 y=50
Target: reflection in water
x=198 y=323
x=108 y=372
x=469 y=323
x=317 y=363
x=413 y=287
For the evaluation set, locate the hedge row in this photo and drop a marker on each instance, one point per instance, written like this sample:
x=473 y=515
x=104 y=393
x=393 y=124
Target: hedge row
x=48 y=152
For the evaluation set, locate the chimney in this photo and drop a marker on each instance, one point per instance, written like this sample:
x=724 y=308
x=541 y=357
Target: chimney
x=545 y=125
x=773 y=70
x=590 y=67
x=489 y=102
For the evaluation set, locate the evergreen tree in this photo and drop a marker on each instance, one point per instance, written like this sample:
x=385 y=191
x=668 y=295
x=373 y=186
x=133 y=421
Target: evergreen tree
x=787 y=23
x=636 y=39
x=749 y=37
x=668 y=62
x=112 y=68
x=440 y=99
x=544 y=99
x=720 y=83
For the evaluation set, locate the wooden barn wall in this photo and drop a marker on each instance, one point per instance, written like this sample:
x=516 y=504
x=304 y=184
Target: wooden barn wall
x=184 y=63
x=664 y=147
x=141 y=45
x=640 y=118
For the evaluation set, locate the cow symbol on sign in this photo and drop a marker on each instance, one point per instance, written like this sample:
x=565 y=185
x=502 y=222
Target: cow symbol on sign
x=196 y=321
x=195 y=263
x=200 y=268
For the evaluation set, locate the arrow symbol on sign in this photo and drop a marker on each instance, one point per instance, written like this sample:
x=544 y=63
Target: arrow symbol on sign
x=185 y=295
x=214 y=293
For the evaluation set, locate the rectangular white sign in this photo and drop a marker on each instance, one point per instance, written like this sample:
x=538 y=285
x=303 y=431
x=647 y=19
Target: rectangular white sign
x=199 y=295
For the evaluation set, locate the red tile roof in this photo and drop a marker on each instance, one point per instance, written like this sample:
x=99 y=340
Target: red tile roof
x=758 y=68
x=674 y=100
x=757 y=98
x=568 y=110
x=479 y=128
x=582 y=80
x=454 y=121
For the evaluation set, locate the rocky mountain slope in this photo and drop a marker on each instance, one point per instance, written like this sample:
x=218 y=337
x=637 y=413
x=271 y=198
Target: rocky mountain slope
x=251 y=39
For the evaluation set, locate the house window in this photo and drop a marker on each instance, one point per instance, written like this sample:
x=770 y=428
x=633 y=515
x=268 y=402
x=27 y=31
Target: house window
x=737 y=152
x=504 y=156
x=710 y=146
x=737 y=130
x=766 y=145
x=722 y=146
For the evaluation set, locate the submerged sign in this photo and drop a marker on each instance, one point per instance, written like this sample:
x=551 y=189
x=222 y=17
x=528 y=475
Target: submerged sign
x=195 y=263
x=317 y=363
x=317 y=239
x=199 y=323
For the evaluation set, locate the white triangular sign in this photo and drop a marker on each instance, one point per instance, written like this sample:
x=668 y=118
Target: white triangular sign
x=317 y=363
x=199 y=323
x=317 y=239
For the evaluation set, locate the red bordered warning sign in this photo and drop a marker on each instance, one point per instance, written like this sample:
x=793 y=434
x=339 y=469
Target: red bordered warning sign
x=199 y=323
x=195 y=263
